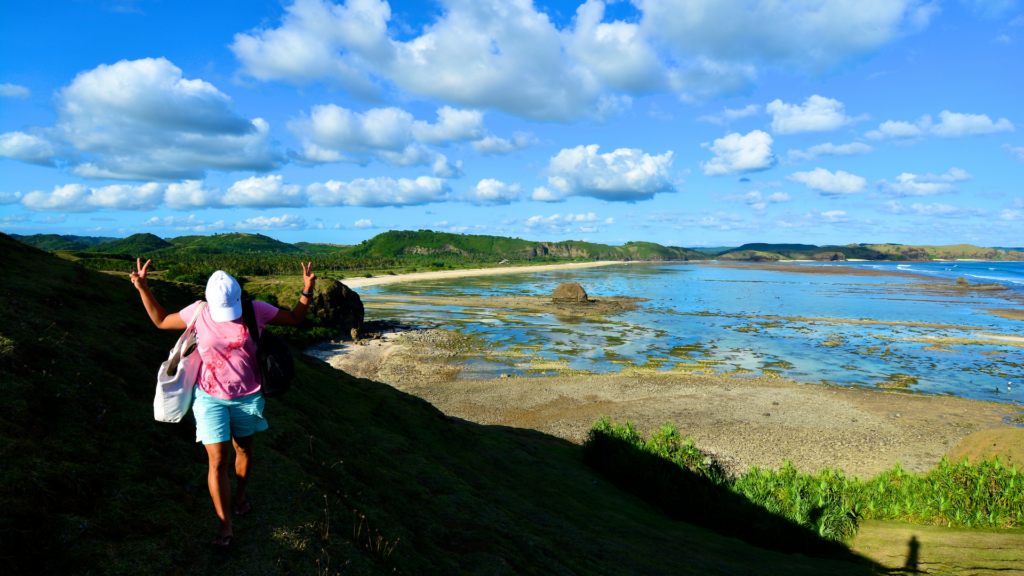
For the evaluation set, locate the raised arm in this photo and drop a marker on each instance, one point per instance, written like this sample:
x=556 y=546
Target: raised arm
x=161 y=319
x=295 y=315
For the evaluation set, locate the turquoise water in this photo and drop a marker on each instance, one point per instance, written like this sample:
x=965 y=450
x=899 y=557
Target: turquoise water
x=712 y=318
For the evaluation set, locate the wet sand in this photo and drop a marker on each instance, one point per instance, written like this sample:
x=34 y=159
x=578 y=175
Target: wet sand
x=743 y=421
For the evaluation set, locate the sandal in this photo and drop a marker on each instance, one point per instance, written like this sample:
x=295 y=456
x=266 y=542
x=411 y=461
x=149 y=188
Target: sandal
x=238 y=507
x=222 y=542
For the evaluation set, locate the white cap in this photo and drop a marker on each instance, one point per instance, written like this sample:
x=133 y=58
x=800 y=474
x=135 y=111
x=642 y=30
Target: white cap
x=224 y=297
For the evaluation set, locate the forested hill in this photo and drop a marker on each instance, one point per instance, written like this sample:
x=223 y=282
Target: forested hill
x=425 y=242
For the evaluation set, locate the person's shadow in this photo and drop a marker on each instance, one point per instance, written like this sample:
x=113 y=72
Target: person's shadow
x=913 y=555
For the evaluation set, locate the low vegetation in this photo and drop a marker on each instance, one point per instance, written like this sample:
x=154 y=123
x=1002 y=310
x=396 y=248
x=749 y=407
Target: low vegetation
x=790 y=511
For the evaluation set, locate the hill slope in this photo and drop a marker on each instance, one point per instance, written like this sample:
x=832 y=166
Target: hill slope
x=134 y=244
x=91 y=484
x=396 y=243
x=232 y=243
x=51 y=242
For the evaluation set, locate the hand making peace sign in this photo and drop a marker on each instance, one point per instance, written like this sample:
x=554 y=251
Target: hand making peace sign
x=139 y=276
x=308 y=277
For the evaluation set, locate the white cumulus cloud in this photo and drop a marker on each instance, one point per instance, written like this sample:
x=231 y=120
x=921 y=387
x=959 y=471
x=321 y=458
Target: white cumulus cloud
x=375 y=192
x=491 y=192
x=390 y=135
x=141 y=120
x=736 y=154
x=951 y=125
x=264 y=192
x=283 y=222
x=728 y=115
x=817 y=114
x=829 y=149
x=8 y=90
x=79 y=198
x=908 y=184
x=935 y=210
x=542 y=194
x=191 y=194
x=495 y=145
x=828 y=183
x=624 y=175
x=28 y=148
x=955 y=125
x=1016 y=152
x=509 y=56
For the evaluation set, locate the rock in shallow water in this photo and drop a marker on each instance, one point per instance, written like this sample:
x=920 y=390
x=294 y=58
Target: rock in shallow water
x=569 y=292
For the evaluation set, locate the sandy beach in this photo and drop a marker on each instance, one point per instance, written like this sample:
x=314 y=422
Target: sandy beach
x=443 y=274
x=745 y=422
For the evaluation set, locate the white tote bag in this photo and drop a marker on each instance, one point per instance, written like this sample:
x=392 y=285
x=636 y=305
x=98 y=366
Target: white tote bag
x=177 y=377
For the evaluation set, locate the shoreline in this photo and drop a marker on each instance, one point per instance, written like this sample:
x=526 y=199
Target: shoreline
x=744 y=421
x=443 y=274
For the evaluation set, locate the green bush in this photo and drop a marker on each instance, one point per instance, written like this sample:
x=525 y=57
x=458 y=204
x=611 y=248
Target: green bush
x=827 y=504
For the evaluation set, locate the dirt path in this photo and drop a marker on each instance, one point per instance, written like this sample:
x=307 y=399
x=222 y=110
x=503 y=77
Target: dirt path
x=442 y=274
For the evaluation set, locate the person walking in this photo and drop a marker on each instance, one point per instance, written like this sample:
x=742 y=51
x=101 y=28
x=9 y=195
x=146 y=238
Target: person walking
x=228 y=405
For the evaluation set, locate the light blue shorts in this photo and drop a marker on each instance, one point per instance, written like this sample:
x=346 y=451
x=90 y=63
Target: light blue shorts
x=219 y=420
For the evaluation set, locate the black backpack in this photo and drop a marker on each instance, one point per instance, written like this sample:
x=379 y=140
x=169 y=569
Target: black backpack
x=277 y=367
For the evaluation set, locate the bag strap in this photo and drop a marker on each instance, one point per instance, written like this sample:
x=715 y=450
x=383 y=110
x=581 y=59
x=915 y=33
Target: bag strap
x=249 y=318
x=195 y=316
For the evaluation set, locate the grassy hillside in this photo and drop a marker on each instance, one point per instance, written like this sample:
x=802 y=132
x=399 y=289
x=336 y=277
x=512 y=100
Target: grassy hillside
x=51 y=242
x=349 y=471
x=314 y=248
x=134 y=244
x=760 y=247
x=396 y=243
x=231 y=243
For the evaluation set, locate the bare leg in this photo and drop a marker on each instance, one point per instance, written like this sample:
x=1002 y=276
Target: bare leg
x=243 y=463
x=217 y=478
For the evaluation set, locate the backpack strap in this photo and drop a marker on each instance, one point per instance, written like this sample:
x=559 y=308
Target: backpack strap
x=249 y=319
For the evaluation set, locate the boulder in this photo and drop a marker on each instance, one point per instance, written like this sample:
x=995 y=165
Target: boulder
x=569 y=292
x=961 y=281
x=337 y=305
x=829 y=257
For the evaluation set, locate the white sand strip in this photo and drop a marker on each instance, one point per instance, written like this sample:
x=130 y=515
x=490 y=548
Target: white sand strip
x=442 y=274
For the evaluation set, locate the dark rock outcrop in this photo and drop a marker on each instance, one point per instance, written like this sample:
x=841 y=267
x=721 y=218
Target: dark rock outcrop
x=569 y=292
x=829 y=257
x=337 y=305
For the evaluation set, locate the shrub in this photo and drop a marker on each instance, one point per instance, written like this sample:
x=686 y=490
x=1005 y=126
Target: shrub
x=779 y=509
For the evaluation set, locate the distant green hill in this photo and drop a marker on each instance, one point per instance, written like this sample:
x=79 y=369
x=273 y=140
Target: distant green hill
x=51 y=242
x=396 y=243
x=314 y=248
x=712 y=250
x=762 y=247
x=136 y=244
x=232 y=243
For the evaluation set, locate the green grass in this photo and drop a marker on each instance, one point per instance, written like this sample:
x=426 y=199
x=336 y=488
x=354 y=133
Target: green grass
x=90 y=484
x=668 y=471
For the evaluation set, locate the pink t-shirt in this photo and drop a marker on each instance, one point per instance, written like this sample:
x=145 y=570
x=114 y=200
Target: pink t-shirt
x=229 y=354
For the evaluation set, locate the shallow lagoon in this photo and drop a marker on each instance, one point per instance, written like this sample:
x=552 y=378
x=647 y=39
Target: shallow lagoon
x=713 y=319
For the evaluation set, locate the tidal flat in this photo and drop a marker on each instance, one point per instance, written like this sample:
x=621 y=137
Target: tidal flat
x=758 y=365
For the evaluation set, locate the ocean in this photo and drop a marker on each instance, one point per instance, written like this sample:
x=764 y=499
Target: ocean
x=836 y=329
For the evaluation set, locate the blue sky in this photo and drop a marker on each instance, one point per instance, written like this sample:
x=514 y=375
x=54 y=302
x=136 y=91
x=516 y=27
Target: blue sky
x=683 y=122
